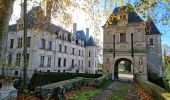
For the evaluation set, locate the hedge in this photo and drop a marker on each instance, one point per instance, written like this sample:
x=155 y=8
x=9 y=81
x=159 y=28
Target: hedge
x=155 y=91
x=44 y=78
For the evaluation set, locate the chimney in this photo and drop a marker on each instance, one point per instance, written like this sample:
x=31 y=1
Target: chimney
x=87 y=33
x=22 y=10
x=74 y=28
x=48 y=7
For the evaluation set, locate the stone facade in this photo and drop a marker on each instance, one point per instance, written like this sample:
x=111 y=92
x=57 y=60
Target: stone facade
x=130 y=38
x=50 y=47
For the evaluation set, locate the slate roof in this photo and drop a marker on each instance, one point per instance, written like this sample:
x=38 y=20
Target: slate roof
x=88 y=41
x=133 y=17
x=12 y=27
x=32 y=22
x=151 y=28
x=81 y=35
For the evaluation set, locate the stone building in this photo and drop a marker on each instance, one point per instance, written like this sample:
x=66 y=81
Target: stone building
x=50 y=47
x=127 y=37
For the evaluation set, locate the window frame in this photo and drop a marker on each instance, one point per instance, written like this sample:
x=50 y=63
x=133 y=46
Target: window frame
x=11 y=43
x=59 y=62
x=18 y=59
x=42 y=44
x=42 y=58
x=122 y=37
x=19 y=42
x=49 y=61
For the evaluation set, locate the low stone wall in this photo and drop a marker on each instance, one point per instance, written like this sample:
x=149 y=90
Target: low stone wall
x=155 y=91
x=60 y=88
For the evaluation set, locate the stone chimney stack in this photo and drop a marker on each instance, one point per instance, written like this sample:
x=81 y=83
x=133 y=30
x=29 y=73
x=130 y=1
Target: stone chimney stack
x=87 y=33
x=74 y=28
x=22 y=10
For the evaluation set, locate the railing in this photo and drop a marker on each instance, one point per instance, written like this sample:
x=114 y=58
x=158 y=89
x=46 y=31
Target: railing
x=71 y=67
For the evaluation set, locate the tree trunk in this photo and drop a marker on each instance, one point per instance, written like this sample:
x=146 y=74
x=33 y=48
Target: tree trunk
x=6 y=9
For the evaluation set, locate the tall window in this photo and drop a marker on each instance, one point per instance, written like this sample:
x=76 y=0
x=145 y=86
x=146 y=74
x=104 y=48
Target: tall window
x=28 y=41
x=42 y=44
x=49 y=45
x=151 y=41
x=60 y=47
x=79 y=63
x=19 y=42
x=122 y=37
x=72 y=62
x=89 y=54
x=82 y=65
x=65 y=49
x=73 y=51
x=64 y=62
x=79 y=52
x=42 y=61
x=49 y=62
x=28 y=58
x=59 y=62
x=11 y=43
x=89 y=64
x=18 y=59
x=10 y=59
x=82 y=53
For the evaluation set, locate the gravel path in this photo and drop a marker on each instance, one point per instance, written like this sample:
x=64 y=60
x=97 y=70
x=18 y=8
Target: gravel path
x=131 y=94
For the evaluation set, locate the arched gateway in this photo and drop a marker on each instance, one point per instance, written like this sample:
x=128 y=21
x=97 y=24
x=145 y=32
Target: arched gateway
x=128 y=37
x=116 y=67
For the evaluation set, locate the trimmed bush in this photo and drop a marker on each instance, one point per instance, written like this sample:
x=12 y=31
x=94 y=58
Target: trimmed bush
x=44 y=78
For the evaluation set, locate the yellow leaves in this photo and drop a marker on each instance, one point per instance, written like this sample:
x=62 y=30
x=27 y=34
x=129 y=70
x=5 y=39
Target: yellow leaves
x=166 y=1
x=121 y=2
x=118 y=17
x=169 y=8
x=115 y=1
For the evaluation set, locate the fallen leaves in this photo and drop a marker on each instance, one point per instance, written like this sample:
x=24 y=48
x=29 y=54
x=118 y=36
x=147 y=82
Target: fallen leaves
x=142 y=93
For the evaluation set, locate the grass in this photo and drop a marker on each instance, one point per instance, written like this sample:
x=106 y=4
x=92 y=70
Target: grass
x=119 y=92
x=86 y=94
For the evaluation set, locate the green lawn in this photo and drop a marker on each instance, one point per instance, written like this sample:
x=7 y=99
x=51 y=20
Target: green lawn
x=119 y=92
x=86 y=94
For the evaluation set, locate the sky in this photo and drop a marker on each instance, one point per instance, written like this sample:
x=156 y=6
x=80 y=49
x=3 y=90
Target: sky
x=80 y=18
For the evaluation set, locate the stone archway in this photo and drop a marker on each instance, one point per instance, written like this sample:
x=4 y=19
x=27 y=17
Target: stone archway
x=116 y=67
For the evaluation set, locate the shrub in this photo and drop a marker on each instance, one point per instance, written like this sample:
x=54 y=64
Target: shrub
x=45 y=78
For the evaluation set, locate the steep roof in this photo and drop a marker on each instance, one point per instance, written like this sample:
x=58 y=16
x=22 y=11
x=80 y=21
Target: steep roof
x=12 y=27
x=33 y=21
x=151 y=27
x=90 y=42
x=133 y=17
x=81 y=35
